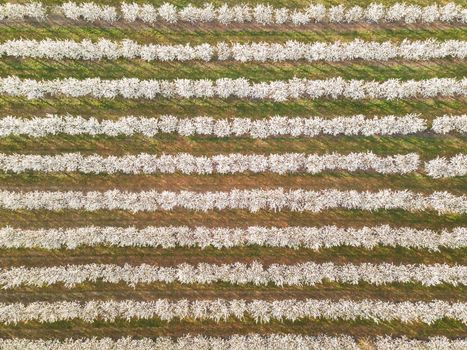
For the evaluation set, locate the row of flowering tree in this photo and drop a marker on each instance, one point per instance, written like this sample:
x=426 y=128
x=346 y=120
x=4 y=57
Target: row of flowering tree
x=251 y=200
x=276 y=90
x=224 y=237
x=225 y=163
x=261 y=311
x=258 y=51
x=232 y=127
x=447 y=167
x=303 y=274
x=235 y=342
x=233 y=163
x=264 y=14
x=14 y=11
x=251 y=341
x=450 y=123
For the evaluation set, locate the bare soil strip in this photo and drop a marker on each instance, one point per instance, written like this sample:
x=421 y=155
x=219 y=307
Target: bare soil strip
x=228 y=218
x=154 y=328
x=265 y=255
x=360 y=181
x=147 y=292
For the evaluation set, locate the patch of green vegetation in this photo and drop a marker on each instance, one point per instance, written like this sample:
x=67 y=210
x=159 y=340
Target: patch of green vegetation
x=224 y=108
x=254 y=71
x=428 y=146
x=229 y=218
x=198 y=35
x=339 y=179
x=267 y=255
x=155 y=327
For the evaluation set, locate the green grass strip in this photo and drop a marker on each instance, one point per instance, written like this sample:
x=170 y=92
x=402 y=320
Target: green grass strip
x=108 y=69
x=428 y=146
x=199 y=35
x=155 y=327
x=218 y=108
x=356 y=218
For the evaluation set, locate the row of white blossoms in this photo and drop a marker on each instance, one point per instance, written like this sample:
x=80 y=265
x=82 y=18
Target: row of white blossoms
x=236 y=342
x=251 y=200
x=236 y=127
x=304 y=274
x=278 y=90
x=447 y=167
x=261 y=14
x=261 y=51
x=232 y=163
x=220 y=310
x=14 y=11
x=222 y=237
x=222 y=163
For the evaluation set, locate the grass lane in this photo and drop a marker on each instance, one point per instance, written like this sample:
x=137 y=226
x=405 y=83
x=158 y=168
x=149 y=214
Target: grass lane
x=110 y=291
x=428 y=146
x=155 y=327
x=247 y=254
x=218 y=108
x=229 y=218
x=213 y=34
x=361 y=181
x=257 y=72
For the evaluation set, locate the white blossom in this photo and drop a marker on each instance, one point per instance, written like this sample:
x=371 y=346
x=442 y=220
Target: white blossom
x=235 y=342
x=264 y=14
x=88 y=11
x=168 y=13
x=304 y=274
x=256 y=51
x=251 y=200
x=334 y=88
x=442 y=167
x=31 y=10
x=220 y=310
x=223 y=163
x=450 y=123
x=433 y=343
x=295 y=237
x=251 y=341
x=234 y=127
